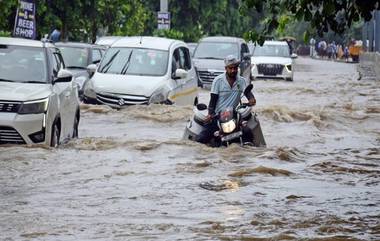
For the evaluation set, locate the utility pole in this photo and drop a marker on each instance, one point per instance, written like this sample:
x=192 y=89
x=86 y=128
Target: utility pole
x=377 y=31
x=163 y=5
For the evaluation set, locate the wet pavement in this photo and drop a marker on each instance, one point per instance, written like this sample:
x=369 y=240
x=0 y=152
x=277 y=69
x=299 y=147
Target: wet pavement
x=130 y=176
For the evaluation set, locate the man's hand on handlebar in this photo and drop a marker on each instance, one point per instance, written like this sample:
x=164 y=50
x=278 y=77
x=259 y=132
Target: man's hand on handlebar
x=252 y=101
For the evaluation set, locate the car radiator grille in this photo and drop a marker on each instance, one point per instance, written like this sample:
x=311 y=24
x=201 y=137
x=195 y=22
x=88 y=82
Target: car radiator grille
x=8 y=135
x=208 y=76
x=121 y=99
x=270 y=69
x=9 y=106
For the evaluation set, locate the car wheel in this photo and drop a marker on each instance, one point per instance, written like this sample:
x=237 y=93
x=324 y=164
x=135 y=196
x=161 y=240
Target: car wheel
x=289 y=79
x=75 y=128
x=55 y=133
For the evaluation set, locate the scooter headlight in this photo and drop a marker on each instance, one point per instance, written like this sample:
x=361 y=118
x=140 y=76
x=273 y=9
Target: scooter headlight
x=228 y=126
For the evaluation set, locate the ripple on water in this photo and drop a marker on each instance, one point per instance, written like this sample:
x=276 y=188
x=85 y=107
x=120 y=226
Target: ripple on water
x=261 y=170
x=159 y=113
x=284 y=114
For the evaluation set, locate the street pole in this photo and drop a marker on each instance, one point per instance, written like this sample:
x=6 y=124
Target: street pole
x=163 y=5
x=377 y=31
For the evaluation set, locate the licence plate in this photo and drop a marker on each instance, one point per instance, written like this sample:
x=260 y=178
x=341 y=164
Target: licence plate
x=232 y=136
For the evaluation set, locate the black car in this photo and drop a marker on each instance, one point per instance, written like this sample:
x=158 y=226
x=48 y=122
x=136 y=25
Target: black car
x=210 y=53
x=77 y=57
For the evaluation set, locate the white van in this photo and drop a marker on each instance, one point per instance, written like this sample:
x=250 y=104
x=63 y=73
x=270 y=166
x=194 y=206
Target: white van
x=38 y=98
x=143 y=70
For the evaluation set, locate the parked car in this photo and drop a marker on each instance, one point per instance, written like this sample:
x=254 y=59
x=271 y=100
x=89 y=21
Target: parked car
x=143 y=70
x=38 y=98
x=210 y=53
x=107 y=41
x=77 y=56
x=272 y=61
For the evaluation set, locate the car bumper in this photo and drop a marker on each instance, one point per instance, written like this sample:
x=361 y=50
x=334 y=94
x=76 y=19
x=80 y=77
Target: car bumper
x=21 y=129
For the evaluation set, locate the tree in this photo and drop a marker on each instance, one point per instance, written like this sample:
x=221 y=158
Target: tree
x=335 y=15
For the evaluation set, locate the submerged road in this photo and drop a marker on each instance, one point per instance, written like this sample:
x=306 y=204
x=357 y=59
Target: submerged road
x=130 y=176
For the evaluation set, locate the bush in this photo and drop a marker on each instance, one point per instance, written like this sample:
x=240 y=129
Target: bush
x=5 y=34
x=168 y=33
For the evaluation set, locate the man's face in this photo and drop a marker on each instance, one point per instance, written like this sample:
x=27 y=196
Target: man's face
x=232 y=71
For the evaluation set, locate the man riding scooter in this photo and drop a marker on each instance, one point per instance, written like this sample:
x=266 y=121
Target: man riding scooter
x=226 y=91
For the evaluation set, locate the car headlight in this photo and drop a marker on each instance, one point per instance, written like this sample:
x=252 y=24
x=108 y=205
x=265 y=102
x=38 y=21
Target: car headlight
x=89 y=90
x=80 y=80
x=159 y=96
x=228 y=126
x=288 y=67
x=34 y=107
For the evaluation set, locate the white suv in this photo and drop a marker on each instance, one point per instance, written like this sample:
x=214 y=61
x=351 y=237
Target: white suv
x=38 y=99
x=272 y=61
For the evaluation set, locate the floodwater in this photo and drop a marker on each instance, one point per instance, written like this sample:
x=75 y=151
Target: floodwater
x=130 y=176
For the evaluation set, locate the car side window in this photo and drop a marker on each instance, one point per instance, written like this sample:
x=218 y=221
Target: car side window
x=57 y=61
x=175 y=60
x=96 y=56
x=185 y=60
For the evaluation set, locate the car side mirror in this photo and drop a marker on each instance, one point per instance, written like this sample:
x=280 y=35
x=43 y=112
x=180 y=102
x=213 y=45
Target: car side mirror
x=180 y=74
x=63 y=76
x=293 y=56
x=248 y=88
x=91 y=69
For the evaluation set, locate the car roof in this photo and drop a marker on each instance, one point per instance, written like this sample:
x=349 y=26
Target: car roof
x=107 y=40
x=146 y=42
x=24 y=42
x=273 y=42
x=76 y=44
x=222 y=39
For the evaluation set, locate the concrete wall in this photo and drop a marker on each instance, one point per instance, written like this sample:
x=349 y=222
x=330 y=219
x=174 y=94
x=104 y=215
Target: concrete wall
x=374 y=59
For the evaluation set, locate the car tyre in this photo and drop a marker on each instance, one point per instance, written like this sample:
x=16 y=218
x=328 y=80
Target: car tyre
x=289 y=79
x=75 y=128
x=55 y=133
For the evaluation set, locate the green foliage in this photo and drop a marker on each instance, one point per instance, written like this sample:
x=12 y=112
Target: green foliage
x=323 y=16
x=5 y=34
x=168 y=33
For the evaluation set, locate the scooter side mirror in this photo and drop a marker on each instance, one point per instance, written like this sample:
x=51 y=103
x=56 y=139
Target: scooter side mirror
x=201 y=106
x=248 y=88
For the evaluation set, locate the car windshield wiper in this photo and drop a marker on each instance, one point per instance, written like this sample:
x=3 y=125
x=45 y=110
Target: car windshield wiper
x=126 y=65
x=75 y=67
x=7 y=80
x=109 y=63
x=209 y=58
x=34 y=82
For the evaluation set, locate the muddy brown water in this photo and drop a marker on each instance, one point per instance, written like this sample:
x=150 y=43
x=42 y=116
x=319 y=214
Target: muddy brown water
x=130 y=176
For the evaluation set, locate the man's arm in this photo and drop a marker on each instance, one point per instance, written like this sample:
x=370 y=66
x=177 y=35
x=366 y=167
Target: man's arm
x=251 y=98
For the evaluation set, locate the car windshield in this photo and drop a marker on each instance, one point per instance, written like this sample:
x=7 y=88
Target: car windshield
x=22 y=64
x=271 y=50
x=216 y=50
x=74 y=57
x=134 y=61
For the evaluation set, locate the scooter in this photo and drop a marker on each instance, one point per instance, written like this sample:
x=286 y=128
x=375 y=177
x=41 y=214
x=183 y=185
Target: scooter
x=233 y=124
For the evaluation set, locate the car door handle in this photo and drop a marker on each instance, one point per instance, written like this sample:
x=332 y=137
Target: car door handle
x=67 y=94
